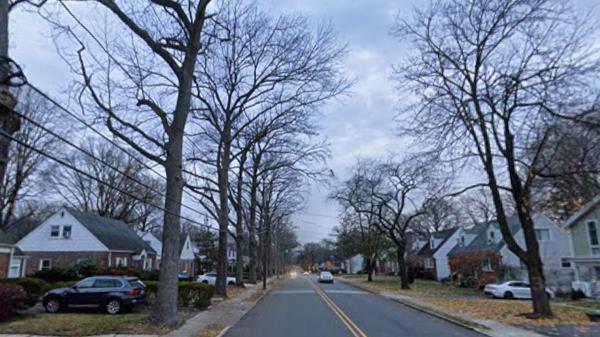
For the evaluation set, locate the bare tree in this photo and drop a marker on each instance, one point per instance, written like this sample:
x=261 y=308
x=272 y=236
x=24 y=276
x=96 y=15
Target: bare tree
x=394 y=193
x=21 y=180
x=263 y=69
x=121 y=188
x=137 y=64
x=492 y=78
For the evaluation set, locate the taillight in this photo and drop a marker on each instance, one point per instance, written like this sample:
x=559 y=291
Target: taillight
x=134 y=292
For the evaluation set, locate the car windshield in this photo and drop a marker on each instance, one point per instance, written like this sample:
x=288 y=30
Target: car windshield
x=291 y=168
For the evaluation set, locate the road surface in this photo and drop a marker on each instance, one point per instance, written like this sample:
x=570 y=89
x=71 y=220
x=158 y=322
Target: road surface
x=301 y=307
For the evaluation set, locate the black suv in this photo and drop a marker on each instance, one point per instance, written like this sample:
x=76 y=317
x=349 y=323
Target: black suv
x=111 y=293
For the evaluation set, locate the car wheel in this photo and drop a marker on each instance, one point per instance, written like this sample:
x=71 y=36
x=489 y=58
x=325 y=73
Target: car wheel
x=52 y=305
x=509 y=295
x=113 y=306
x=548 y=295
x=230 y=283
x=205 y=282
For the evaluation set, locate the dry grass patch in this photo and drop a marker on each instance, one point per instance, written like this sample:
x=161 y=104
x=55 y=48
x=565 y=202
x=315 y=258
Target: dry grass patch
x=510 y=311
x=212 y=330
x=80 y=324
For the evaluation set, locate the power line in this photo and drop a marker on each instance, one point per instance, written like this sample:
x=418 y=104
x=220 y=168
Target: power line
x=66 y=164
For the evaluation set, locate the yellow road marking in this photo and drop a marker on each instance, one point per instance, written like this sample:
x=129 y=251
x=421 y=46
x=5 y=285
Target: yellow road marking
x=354 y=329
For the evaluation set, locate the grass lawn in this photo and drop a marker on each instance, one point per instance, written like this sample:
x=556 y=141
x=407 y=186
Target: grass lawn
x=418 y=288
x=80 y=324
x=473 y=303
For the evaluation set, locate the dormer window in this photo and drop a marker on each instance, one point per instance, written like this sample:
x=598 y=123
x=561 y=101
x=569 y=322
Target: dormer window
x=461 y=241
x=432 y=243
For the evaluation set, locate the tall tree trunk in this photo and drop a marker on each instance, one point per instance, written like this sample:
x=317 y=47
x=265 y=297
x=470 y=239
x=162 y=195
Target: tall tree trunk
x=266 y=248
x=223 y=181
x=239 y=225
x=537 y=281
x=402 y=270
x=369 y=266
x=165 y=309
x=252 y=244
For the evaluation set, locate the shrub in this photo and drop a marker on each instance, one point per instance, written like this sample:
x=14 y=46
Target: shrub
x=34 y=288
x=86 y=268
x=57 y=274
x=12 y=297
x=128 y=271
x=190 y=294
x=149 y=275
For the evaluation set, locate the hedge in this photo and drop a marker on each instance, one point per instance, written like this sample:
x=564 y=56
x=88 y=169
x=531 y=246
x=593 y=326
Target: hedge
x=33 y=287
x=12 y=297
x=193 y=294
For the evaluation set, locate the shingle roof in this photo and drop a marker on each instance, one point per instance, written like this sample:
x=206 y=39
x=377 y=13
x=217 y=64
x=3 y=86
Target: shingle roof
x=443 y=235
x=114 y=234
x=582 y=212
x=480 y=243
x=6 y=239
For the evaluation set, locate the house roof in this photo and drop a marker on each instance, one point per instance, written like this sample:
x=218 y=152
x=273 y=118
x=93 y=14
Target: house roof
x=480 y=243
x=6 y=239
x=444 y=235
x=114 y=234
x=582 y=212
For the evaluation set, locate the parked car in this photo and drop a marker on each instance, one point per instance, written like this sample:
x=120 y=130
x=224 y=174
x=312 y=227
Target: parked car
x=110 y=293
x=325 y=277
x=306 y=273
x=183 y=276
x=512 y=289
x=211 y=278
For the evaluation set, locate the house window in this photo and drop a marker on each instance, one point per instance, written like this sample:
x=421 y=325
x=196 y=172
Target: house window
x=565 y=263
x=121 y=261
x=486 y=265
x=593 y=232
x=428 y=263
x=188 y=245
x=54 y=231
x=45 y=264
x=542 y=234
x=432 y=243
x=66 y=232
x=491 y=237
x=461 y=241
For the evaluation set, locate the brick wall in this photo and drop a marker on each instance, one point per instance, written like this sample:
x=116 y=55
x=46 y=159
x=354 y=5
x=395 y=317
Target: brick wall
x=64 y=259
x=4 y=263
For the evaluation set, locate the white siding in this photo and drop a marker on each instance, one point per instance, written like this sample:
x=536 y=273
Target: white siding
x=153 y=241
x=187 y=253
x=441 y=255
x=81 y=240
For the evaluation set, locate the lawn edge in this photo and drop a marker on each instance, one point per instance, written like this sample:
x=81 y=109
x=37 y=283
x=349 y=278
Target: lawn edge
x=474 y=326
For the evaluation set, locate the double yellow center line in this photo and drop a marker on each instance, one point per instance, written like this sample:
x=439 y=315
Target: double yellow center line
x=354 y=329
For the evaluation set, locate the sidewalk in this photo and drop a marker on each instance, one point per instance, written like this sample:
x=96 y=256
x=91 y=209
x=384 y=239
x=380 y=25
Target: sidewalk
x=486 y=327
x=225 y=313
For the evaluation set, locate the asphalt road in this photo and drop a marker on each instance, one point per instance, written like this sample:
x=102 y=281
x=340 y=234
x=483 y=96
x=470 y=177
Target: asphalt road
x=301 y=307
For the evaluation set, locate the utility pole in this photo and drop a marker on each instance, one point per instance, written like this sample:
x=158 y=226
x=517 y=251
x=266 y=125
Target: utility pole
x=9 y=121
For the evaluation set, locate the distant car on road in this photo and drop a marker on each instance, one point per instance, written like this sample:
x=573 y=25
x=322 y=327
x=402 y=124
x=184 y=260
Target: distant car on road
x=306 y=273
x=211 y=278
x=110 y=293
x=512 y=289
x=325 y=277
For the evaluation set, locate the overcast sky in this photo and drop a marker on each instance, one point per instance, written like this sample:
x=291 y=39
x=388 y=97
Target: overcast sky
x=362 y=124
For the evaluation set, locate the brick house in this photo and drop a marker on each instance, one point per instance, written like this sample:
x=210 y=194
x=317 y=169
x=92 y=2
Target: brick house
x=70 y=236
x=12 y=260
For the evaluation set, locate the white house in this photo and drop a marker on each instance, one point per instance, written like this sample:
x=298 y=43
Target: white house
x=433 y=253
x=70 y=236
